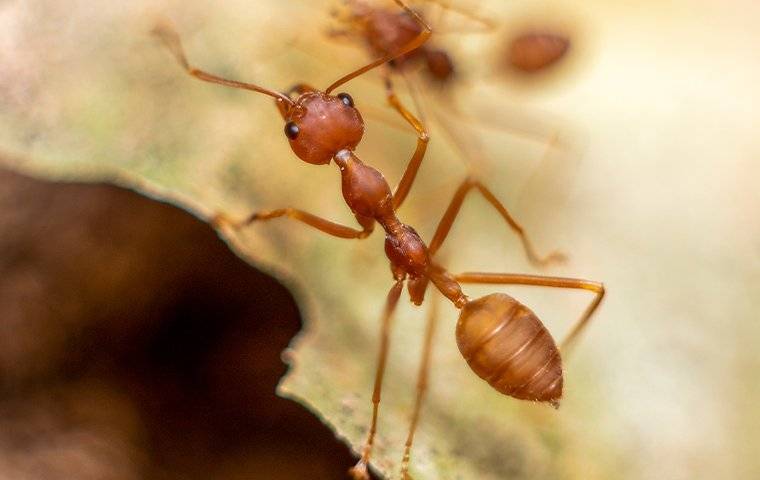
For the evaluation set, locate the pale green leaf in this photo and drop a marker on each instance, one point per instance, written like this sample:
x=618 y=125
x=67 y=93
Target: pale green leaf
x=662 y=206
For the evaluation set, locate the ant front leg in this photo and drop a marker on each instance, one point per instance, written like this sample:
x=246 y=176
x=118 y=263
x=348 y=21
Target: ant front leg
x=321 y=224
x=485 y=25
x=407 y=179
x=359 y=471
x=456 y=204
x=542 y=281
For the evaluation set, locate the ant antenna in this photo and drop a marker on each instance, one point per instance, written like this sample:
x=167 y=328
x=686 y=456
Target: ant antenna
x=168 y=35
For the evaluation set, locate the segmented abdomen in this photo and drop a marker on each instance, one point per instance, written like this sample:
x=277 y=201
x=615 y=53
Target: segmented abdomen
x=508 y=346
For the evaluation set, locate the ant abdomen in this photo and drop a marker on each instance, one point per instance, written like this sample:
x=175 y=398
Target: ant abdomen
x=507 y=345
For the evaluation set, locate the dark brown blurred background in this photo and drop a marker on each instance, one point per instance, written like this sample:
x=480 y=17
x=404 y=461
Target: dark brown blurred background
x=134 y=344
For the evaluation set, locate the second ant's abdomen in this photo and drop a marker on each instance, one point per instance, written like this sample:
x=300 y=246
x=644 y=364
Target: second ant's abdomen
x=508 y=346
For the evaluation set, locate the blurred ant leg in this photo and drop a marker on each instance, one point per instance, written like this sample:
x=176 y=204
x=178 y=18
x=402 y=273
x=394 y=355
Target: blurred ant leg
x=444 y=227
x=421 y=38
x=422 y=384
x=170 y=38
x=359 y=471
x=411 y=87
x=407 y=179
x=341 y=35
x=383 y=116
x=516 y=121
x=324 y=225
x=486 y=25
x=542 y=281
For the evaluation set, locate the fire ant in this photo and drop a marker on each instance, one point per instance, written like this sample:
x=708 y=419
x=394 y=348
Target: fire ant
x=502 y=340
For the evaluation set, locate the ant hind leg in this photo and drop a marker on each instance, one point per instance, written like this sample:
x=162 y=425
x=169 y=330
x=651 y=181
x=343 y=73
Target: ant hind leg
x=544 y=281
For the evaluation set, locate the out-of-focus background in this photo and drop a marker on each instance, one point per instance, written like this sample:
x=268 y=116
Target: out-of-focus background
x=136 y=345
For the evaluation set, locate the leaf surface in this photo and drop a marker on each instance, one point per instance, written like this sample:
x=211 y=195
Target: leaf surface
x=661 y=205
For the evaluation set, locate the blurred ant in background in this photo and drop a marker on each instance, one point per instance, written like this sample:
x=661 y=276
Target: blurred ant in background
x=382 y=31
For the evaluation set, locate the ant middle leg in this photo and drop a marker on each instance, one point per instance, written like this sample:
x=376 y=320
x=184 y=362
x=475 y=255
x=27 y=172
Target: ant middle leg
x=359 y=471
x=422 y=384
x=321 y=224
x=542 y=281
x=444 y=227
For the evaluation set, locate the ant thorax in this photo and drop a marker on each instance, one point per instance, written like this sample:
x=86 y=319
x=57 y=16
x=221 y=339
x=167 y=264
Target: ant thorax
x=365 y=189
x=320 y=125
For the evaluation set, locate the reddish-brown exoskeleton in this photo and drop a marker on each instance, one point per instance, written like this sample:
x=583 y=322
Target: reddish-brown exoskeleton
x=384 y=31
x=501 y=339
x=536 y=50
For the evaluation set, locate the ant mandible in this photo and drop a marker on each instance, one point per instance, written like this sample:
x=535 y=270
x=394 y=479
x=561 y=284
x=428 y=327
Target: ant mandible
x=503 y=341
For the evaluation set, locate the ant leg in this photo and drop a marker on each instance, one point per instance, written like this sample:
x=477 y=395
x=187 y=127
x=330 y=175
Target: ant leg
x=170 y=38
x=359 y=471
x=486 y=25
x=422 y=385
x=341 y=35
x=541 y=281
x=456 y=204
x=407 y=179
x=324 y=225
x=416 y=42
x=413 y=92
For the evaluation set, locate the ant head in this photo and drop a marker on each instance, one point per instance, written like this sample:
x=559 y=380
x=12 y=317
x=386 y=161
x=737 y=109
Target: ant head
x=319 y=125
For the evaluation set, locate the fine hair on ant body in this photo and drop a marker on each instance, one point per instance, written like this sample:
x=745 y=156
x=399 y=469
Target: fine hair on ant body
x=501 y=339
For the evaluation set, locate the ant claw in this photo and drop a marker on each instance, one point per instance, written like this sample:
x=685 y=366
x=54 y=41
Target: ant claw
x=359 y=471
x=221 y=221
x=557 y=257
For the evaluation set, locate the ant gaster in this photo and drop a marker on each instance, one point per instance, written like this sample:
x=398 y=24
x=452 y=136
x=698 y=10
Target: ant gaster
x=501 y=339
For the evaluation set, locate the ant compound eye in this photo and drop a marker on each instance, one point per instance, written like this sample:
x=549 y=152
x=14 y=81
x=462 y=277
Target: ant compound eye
x=346 y=99
x=291 y=130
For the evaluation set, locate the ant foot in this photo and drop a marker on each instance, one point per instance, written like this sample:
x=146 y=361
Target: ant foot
x=359 y=471
x=221 y=221
x=555 y=257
